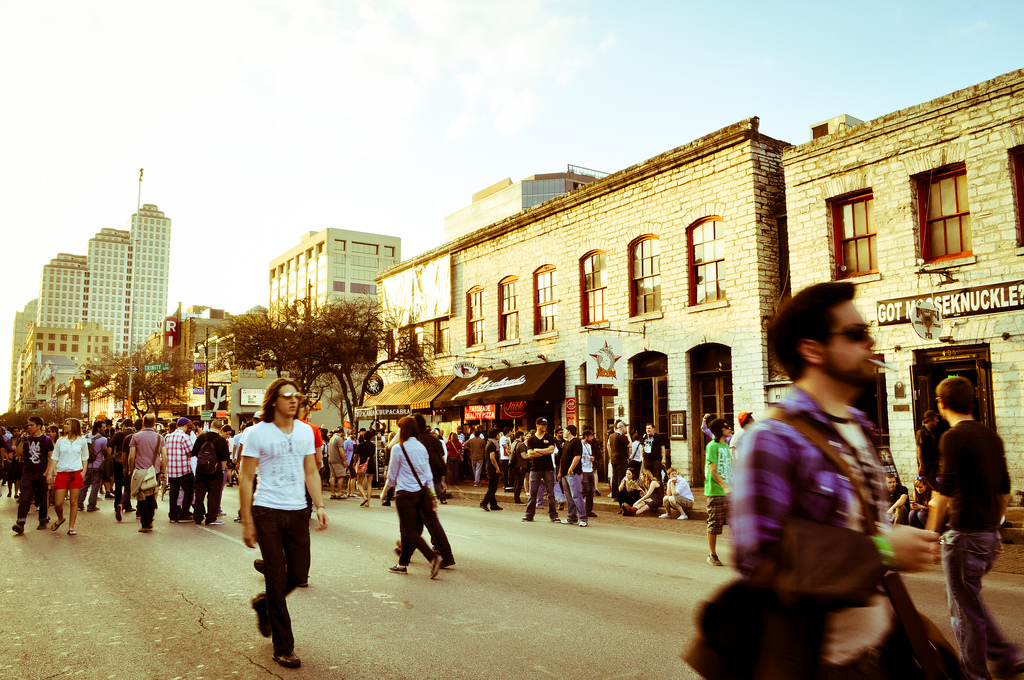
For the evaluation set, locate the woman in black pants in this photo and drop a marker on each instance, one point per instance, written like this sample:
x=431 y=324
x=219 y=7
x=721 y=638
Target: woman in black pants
x=409 y=474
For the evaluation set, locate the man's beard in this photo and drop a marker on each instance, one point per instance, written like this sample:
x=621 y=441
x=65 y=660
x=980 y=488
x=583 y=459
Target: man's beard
x=859 y=378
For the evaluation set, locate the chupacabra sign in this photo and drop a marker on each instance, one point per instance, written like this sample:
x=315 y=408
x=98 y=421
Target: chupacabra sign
x=603 y=355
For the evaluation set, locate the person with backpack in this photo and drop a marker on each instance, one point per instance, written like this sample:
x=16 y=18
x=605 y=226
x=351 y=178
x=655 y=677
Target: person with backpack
x=211 y=454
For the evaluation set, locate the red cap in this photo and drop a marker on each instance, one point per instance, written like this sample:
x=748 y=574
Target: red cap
x=743 y=417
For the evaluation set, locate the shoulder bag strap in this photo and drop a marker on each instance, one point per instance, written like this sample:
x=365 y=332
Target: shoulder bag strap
x=816 y=437
x=411 y=466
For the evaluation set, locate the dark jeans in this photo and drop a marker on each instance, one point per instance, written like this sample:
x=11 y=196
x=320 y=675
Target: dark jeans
x=147 y=510
x=96 y=478
x=504 y=473
x=410 y=526
x=655 y=467
x=33 y=488
x=175 y=485
x=283 y=536
x=966 y=557
x=454 y=471
x=87 y=476
x=627 y=497
x=589 y=487
x=210 y=488
x=119 y=486
x=548 y=478
x=618 y=472
x=490 y=498
x=518 y=480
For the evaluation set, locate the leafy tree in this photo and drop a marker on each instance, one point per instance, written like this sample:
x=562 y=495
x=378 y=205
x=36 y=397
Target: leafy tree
x=338 y=344
x=151 y=390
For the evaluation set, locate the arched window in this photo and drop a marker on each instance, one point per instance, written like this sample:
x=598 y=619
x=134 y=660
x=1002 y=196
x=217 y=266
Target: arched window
x=707 y=261
x=544 y=300
x=592 y=285
x=508 y=308
x=645 y=276
x=475 y=316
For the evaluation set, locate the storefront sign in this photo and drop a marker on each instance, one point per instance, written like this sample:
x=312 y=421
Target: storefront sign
x=171 y=337
x=382 y=412
x=987 y=299
x=513 y=410
x=570 y=410
x=486 y=385
x=465 y=369
x=375 y=385
x=480 y=412
x=250 y=397
x=603 y=355
x=927 y=320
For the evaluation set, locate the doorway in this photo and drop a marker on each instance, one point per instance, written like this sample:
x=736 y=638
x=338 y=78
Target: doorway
x=932 y=366
x=648 y=392
x=711 y=381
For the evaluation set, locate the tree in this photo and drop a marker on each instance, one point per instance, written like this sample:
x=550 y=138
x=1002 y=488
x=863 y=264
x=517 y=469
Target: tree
x=339 y=344
x=151 y=390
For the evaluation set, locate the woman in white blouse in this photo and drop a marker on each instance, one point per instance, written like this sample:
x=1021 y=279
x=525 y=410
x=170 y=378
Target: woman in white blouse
x=70 y=456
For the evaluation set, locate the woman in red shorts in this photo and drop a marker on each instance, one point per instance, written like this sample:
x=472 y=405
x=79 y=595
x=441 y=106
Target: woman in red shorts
x=70 y=454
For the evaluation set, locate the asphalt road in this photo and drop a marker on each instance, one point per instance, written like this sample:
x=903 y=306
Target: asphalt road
x=613 y=600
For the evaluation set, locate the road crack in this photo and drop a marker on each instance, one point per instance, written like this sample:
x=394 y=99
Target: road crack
x=258 y=665
x=202 y=612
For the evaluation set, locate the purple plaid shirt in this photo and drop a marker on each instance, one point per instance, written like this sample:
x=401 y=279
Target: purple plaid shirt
x=781 y=473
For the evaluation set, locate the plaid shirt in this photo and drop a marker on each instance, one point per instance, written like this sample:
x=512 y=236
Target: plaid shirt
x=179 y=450
x=781 y=473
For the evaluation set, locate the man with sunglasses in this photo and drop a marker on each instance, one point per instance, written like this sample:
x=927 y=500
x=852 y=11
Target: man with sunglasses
x=276 y=516
x=824 y=344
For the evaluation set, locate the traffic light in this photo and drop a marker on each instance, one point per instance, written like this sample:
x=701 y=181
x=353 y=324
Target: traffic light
x=234 y=375
x=259 y=371
x=88 y=379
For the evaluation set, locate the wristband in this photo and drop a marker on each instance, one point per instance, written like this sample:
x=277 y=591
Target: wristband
x=884 y=547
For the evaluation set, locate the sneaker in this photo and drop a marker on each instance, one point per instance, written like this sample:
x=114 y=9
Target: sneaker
x=591 y=514
x=484 y=507
x=215 y=523
x=714 y=561
x=398 y=569
x=18 y=529
x=117 y=511
x=238 y=519
x=665 y=516
x=221 y=514
x=259 y=605
x=287 y=659
x=527 y=519
x=450 y=562
x=682 y=516
x=497 y=507
x=435 y=566
x=583 y=523
x=353 y=495
x=569 y=521
x=42 y=526
x=93 y=509
x=555 y=520
x=145 y=530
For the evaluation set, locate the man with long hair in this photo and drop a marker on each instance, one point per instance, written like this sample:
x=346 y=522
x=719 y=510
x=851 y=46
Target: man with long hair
x=276 y=516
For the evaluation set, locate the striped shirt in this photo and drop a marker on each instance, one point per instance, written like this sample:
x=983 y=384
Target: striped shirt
x=179 y=449
x=780 y=473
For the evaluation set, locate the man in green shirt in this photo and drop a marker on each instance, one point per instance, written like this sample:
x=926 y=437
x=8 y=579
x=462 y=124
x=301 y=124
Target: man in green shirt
x=717 y=481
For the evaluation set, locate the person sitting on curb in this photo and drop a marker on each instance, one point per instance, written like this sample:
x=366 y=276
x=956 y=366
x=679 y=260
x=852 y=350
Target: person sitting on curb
x=678 y=496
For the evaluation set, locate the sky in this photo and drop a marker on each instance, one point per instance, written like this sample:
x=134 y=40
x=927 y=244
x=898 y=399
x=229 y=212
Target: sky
x=258 y=121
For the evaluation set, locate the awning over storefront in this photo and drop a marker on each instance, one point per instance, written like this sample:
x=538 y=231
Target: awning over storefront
x=402 y=398
x=534 y=382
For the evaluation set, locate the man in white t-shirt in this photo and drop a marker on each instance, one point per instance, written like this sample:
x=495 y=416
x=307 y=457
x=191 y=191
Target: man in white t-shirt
x=276 y=516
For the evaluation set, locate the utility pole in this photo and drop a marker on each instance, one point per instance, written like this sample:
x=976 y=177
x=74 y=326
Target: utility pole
x=133 y=259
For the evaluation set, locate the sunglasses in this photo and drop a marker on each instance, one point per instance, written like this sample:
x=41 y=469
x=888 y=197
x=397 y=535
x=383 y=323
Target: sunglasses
x=858 y=333
x=290 y=394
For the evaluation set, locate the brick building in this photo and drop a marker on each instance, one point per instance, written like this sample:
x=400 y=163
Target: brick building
x=671 y=265
x=926 y=204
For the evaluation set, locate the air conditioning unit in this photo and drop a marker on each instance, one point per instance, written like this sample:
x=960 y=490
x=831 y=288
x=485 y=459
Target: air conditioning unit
x=833 y=125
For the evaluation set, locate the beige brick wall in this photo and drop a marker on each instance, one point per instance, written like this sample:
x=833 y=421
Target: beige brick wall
x=734 y=174
x=977 y=126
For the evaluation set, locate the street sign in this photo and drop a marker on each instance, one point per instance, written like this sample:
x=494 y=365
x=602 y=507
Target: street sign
x=158 y=367
x=131 y=368
x=205 y=415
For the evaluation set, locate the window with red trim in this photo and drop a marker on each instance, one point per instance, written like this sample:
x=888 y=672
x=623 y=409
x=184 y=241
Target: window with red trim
x=945 y=215
x=645 y=276
x=508 y=310
x=545 y=303
x=592 y=274
x=853 y=221
x=475 y=317
x=707 y=261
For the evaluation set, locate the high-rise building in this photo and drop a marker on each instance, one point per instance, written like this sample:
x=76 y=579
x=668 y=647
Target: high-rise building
x=23 y=321
x=98 y=287
x=332 y=263
x=504 y=199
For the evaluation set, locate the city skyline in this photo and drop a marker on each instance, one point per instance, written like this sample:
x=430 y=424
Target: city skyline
x=259 y=124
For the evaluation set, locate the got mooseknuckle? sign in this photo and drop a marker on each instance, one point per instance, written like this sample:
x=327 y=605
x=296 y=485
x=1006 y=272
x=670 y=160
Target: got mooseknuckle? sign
x=987 y=299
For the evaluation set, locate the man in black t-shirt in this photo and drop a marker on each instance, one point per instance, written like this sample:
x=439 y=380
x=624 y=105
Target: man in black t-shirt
x=539 y=448
x=899 y=501
x=211 y=486
x=928 y=448
x=974 y=486
x=34 y=451
x=656 y=452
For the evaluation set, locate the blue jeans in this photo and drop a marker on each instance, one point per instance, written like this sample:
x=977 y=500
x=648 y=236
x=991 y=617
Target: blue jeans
x=478 y=467
x=536 y=479
x=572 y=487
x=966 y=557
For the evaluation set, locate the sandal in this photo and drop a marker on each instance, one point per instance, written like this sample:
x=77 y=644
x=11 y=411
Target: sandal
x=365 y=504
x=72 y=532
x=57 y=525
